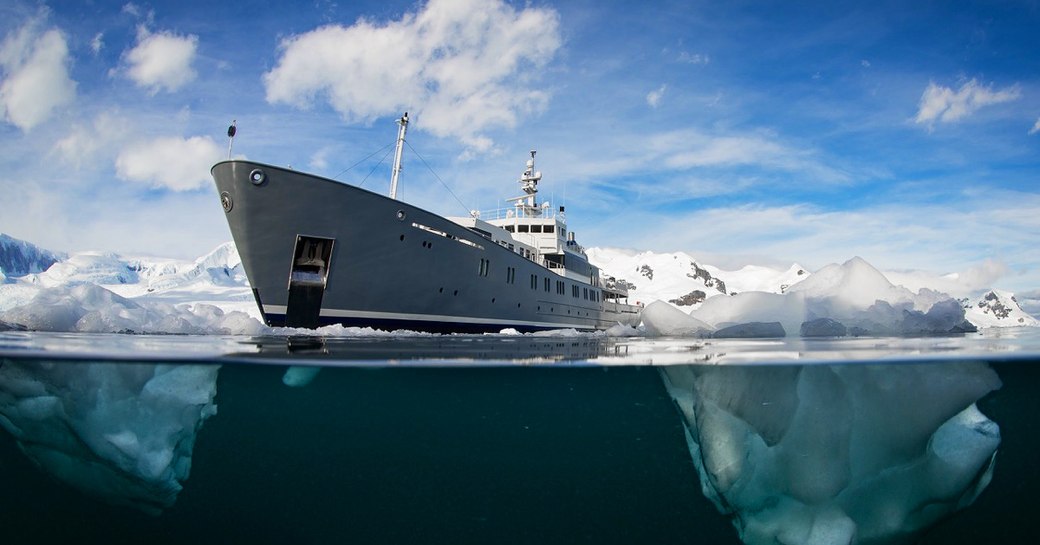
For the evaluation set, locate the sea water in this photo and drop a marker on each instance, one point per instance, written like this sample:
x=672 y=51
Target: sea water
x=564 y=438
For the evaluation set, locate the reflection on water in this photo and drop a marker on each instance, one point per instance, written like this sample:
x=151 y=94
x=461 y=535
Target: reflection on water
x=484 y=450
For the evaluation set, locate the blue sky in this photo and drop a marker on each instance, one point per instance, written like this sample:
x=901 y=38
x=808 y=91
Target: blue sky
x=906 y=133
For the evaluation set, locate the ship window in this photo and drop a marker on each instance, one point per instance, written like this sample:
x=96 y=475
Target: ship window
x=536 y=228
x=547 y=282
x=522 y=228
x=574 y=291
x=509 y=228
x=534 y=281
x=549 y=228
x=485 y=267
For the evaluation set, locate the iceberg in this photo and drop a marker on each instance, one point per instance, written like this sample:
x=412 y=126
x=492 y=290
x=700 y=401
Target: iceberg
x=122 y=432
x=837 y=454
x=853 y=297
x=90 y=308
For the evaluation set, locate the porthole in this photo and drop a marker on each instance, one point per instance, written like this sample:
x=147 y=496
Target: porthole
x=492 y=299
x=226 y=202
x=402 y=238
x=257 y=176
x=456 y=292
x=401 y=215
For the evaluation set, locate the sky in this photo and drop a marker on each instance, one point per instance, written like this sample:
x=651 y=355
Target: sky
x=905 y=133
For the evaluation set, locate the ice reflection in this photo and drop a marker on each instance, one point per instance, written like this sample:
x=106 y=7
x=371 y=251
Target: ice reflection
x=837 y=453
x=122 y=432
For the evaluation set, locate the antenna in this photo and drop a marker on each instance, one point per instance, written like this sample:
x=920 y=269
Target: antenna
x=403 y=122
x=231 y=137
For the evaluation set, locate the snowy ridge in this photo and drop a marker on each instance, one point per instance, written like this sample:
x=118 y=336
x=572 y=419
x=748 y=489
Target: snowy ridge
x=19 y=258
x=105 y=292
x=683 y=281
x=997 y=308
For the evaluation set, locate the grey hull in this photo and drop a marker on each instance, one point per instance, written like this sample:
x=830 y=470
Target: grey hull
x=388 y=264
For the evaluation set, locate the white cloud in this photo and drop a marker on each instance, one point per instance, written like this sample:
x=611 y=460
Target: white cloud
x=975 y=278
x=97 y=43
x=169 y=162
x=161 y=61
x=964 y=236
x=940 y=103
x=36 y=79
x=463 y=66
x=653 y=98
x=693 y=58
x=1036 y=127
x=83 y=144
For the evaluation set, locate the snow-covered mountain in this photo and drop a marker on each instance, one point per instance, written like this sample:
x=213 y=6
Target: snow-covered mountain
x=19 y=258
x=997 y=308
x=683 y=281
x=211 y=293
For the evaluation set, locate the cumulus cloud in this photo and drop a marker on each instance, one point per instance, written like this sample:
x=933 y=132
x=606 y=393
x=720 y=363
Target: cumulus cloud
x=36 y=81
x=161 y=61
x=943 y=104
x=653 y=98
x=464 y=66
x=169 y=162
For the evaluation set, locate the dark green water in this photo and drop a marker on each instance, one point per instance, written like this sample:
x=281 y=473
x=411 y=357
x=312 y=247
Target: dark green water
x=469 y=453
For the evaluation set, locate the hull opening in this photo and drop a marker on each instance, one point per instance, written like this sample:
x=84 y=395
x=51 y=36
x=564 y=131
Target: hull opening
x=307 y=281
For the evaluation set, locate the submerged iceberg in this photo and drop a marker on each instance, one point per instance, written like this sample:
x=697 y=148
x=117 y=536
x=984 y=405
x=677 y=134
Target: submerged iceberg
x=837 y=454
x=123 y=432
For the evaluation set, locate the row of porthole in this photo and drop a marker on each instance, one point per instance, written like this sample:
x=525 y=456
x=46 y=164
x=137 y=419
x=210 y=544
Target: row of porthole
x=425 y=244
x=553 y=309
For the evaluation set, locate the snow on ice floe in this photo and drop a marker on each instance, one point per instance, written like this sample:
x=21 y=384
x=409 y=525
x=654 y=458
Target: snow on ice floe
x=90 y=308
x=123 y=432
x=837 y=454
x=853 y=298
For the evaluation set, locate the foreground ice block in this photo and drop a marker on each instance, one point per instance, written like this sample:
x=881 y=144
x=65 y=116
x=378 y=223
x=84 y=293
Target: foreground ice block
x=123 y=432
x=838 y=454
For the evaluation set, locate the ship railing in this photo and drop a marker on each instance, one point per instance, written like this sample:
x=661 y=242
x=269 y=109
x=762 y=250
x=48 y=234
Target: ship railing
x=512 y=212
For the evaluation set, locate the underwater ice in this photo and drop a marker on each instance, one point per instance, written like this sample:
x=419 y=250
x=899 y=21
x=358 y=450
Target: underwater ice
x=122 y=432
x=837 y=454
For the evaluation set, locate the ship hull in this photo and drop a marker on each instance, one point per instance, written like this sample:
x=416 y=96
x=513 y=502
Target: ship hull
x=319 y=252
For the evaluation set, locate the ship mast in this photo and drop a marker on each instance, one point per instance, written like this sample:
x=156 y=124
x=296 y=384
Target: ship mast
x=403 y=122
x=527 y=204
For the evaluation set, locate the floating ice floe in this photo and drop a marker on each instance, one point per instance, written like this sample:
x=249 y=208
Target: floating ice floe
x=849 y=299
x=93 y=309
x=122 y=432
x=837 y=454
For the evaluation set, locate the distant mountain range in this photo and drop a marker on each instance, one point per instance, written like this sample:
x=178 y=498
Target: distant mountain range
x=677 y=278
